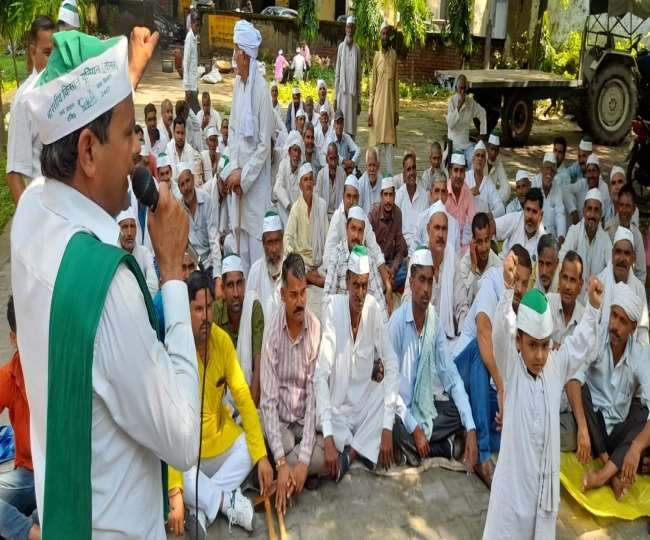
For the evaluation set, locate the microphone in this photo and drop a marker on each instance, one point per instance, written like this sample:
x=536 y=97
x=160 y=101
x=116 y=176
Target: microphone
x=145 y=190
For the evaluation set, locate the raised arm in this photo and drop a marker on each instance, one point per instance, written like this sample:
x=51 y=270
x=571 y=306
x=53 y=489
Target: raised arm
x=505 y=321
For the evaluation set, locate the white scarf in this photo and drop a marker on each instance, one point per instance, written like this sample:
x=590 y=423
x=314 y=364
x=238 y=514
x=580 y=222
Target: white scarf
x=246 y=124
x=317 y=236
x=268 y=292
x=245 y=336
x=446 y=277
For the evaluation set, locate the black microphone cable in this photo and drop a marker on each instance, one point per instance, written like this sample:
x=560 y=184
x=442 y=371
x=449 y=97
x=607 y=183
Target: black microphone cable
x=205 y=372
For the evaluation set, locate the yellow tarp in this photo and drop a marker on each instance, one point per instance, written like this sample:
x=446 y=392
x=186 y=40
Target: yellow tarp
x=601 y=502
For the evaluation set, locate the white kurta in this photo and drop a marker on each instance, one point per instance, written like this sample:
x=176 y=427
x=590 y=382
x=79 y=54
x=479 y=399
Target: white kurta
x=412 y=210
x=287 y=188
x=511 y=229
x=488 y=199
x=497 y=172
x=144 y=257
x=337 y=232
x=190 y=63
x=252 y=154
x=142 y=411
x=24 y=145
x=350 y=406
x=460 y=121
x=186 y=156
x=347 y=84
x=164 y=136
x=268 y=291
x=554 y=213
x=158 y=147
x=525 y=494
x=214 y=121
x=574 y=195
x=331 y=194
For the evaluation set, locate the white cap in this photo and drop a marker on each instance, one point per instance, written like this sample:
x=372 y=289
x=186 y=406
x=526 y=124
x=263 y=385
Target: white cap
x=69 y=14
x=274 y=84
x=387 y=183
x=478 y=147
x=297 y=49
x=183 y=166
x=623 y=233
x=321 y=84
x=494 y=139
x=593 y=160
x=351 y=180
x=163 y=161
x=384 y=24
x=324 y=110
x=437 y=207
x=549 y=157
x=211 y=131
x=458 y=158
x=231 y=263
x=616 y=169
x=358 y=262
x=624 y=297
x=280 y=51
x=356 y=212
x=594 y=195
x=300 y=114
x=586 y=146
x=272 y=222
x=305 y=169
x=295 y=91
x=125 y=214
x=521 y=176
x=422 y=257
x=350 y=20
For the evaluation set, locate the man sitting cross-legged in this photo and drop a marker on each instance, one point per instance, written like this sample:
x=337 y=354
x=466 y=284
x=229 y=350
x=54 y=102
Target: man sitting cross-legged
x=288 y=404
x=612 y=421
x=356 y=413
x=432 y=405
x=228 y=451
x=475 y=358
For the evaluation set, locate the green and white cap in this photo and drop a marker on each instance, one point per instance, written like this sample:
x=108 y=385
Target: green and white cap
x=84 y=77
x=69 y=14
x=534 y=316
x=358 y=261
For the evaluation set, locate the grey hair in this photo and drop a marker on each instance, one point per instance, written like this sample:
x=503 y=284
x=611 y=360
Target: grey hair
x=548 y=241
x=59 y=159
x=372 y=150
x=460 y=78
x=438 y=177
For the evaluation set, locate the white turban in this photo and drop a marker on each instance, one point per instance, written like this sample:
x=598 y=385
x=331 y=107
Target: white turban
x=231 y=263
x=358 y=261
x=295 y=139
x=353 y=181
x=616 y=169
x=494 y=139
x=478 y=147
x=458 y=158
x=125 y=214
x=163 y=161
x=521 y=176
x=623 y=233
x=272 y=222
x=549 y=157
x=356 y=212
x=422 y=257
x=387 y=183
x=595 y=195
x=247 y=38
x=305 y=169
x=624 y=297
x=321 y=84
x=586 y=146
x=350 y=20
x=593 y=160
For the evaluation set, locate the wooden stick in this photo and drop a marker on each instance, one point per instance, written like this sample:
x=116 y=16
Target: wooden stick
x=283 y=529
x=269 y=519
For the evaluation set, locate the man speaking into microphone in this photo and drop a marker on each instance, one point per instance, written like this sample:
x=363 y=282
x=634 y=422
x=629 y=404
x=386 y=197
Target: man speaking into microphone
x=109 y=402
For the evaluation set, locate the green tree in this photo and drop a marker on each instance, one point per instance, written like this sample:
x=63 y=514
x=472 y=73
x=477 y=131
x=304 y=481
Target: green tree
x=413 y=15
x=308 y=20
x=459 y=30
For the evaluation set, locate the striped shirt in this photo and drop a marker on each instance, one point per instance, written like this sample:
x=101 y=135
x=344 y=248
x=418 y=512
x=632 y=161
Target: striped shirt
x=287 y=382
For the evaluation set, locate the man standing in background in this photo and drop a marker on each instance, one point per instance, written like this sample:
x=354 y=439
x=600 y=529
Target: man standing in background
x=383 y=114
x=347 y=83
x=191 y=64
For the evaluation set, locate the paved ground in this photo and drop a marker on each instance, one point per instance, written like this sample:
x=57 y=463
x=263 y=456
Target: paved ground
x=427 y=505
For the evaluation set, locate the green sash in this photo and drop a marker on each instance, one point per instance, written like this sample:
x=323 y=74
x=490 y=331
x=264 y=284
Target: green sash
x=85 y=275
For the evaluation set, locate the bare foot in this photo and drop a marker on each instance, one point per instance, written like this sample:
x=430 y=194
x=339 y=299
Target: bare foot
x=34 y=533
x=485 y=472
x=620 y=487
x=591 y=480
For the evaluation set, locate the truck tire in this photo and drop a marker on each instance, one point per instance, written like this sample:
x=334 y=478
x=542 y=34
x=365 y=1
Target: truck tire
x=516 y=119
x=611 y=102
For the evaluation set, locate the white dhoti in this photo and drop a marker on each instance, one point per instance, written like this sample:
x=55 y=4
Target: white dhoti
x=250 y=250
x=218 y=476
x=361 y=427
x=348 y=104
x=385 y=153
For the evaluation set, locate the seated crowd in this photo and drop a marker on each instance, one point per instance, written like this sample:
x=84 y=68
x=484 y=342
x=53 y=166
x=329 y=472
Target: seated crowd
x=393 y=319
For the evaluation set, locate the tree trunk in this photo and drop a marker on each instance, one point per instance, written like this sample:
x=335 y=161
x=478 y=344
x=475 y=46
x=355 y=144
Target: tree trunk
x=533 y=51
x=488 y=37
x=2 y=121
x=13 y=58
